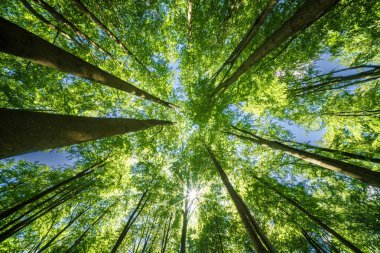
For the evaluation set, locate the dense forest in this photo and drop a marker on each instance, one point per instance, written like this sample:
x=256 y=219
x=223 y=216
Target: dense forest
x=190 y=126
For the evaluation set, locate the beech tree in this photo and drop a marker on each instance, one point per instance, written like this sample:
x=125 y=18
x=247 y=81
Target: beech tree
x=189 y=126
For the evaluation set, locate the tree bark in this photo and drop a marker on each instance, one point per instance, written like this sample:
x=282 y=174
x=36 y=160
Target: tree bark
x=17 y=41
x=24 y=131
x=91 y=16
x=185 y=218
x=63 y=230
x=165 y=237
x=48 y=23
x=61 y=19
x=343 y=240
x=44 y=193
x=257 y=242
x=86 y=231
x=19 y=226
x=347 y=80
x=309 y=13
x=339 y=152
x=247 y=37
x=351 y=170
x=135 y=213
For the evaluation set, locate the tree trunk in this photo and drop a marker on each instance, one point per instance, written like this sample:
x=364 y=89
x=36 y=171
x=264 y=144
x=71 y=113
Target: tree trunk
x=48 y=23
x=165 y=237
x=339 y=152
x=44 y=193
x=17 y=41
x=309 y=13
x=91 y=16
x=88 y=229
x=343 y=240
x=185 y=218
x=19 y=226
x=63 y=230
x=135 y=213
x=351 y=170
x=258 y=242
x=248 y=37
x=25 y=131
x=372 y=74
x=61 y=19
x=312 y=242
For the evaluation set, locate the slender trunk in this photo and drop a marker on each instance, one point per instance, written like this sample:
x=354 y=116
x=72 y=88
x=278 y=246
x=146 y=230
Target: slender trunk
x=364 y=113
x=165 y=237
x=88 y=229
x=48 y=23
x=61 y=19
x=44 y=193
x=371 y=74
x=238 y=202
x=40 y=205
x=185 y=218
x=63 y=230
x=19 y=226
x=343 y=240
x=312 y=242
x=91 y=16
x=46 y=234
x=220 y=239
x=339 y=152
x=25 y=131
x=351 y=170
x=248 y=37
x=309 y=13
x=17 y=41
x=130 y=221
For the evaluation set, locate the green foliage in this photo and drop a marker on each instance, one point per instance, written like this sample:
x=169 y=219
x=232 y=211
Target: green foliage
x=182 y=53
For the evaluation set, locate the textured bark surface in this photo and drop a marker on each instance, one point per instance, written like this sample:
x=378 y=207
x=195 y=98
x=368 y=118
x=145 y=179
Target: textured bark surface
x=351 y=170
x=248 y=36
x=309 y=12
x=240 y=207
x=91 y=16
x=343 y=240
x=17 y=41
x=25 y=131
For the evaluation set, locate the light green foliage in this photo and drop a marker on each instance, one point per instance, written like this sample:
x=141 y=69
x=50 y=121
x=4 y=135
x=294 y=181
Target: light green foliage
x=182 y=53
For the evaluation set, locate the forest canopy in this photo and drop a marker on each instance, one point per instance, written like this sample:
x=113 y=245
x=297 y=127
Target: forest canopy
x=190 y=126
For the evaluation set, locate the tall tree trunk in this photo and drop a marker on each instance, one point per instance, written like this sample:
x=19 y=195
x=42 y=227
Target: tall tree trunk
x=24 y=223
x=48 y=23
x=26 y=131
x=17 y=41
x=72 y=220
x=257 y=242
x=343 y=240
x=351 y=170
x=135 y=213
x=306 y=15
x=77 y=241
x=339 y=152
x=185 y=218
x=40 y=205
x=312 y=242
x=61 y=19
x=165 y=237
x=102 y=26
x=348 y=80
x=44 y=193
x=247 y=37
